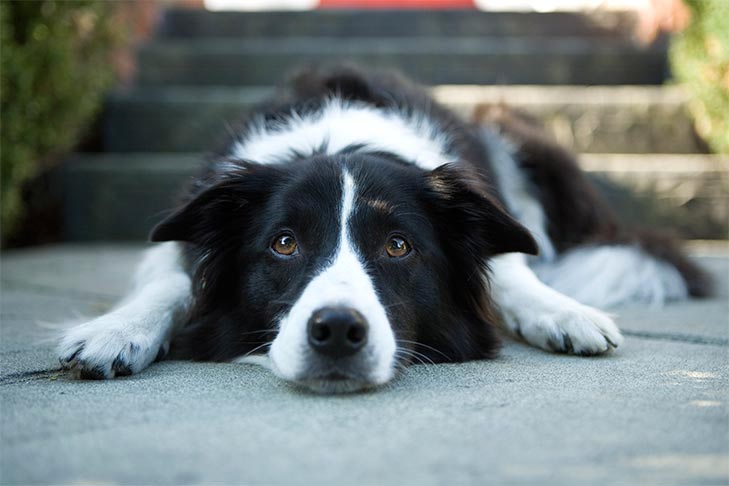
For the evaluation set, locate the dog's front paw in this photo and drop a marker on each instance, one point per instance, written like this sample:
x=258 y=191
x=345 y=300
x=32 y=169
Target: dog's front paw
x=109 y=346
x=576 y=329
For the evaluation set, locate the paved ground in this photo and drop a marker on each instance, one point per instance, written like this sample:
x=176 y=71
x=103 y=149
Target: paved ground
x=656 y=410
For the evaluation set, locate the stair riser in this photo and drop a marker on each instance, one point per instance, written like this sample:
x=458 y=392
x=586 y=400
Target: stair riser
x=115 y=198
x=185 y=123
x=347 y=23
x=118 y=198
x=170 y=64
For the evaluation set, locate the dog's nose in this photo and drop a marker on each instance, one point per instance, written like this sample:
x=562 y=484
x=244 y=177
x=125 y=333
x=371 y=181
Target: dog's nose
x=337 y=332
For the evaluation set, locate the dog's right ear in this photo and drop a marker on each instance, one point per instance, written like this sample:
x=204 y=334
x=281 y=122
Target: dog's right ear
x=223 y=209
x=473 y=218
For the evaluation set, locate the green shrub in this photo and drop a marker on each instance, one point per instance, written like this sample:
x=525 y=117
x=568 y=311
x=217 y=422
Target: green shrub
x=56 y=64
x=700 y=60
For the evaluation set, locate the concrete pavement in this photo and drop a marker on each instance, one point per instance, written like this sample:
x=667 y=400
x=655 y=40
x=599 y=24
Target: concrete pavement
x=655 y=411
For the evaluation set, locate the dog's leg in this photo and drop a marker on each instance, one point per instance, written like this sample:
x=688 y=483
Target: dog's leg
x=545 y=318
x=132 y=335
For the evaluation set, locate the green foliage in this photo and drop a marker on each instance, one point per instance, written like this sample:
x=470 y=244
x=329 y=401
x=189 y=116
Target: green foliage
x=56 y=65
x=700 y=60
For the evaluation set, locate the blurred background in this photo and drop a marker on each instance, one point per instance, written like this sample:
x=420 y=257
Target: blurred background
x=107 y=107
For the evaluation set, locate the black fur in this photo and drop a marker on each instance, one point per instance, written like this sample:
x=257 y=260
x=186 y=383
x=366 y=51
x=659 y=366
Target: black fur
x=437 y=298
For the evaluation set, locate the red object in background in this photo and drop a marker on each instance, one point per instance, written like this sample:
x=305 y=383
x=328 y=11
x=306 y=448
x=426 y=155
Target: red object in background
x=397 y=4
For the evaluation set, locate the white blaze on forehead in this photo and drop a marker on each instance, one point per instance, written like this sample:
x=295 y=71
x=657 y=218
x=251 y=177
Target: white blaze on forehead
x=348 y=191
x=344 y=282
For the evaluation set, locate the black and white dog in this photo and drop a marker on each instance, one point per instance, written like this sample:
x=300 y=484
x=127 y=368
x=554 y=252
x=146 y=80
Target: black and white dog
x=354 y=226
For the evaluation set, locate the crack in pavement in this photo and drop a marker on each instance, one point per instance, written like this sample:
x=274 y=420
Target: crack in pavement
x=26 y=376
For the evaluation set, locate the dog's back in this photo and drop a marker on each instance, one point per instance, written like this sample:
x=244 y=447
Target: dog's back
x=597 y=259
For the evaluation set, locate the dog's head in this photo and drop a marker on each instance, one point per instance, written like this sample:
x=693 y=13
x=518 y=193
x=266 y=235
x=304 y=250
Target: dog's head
x=350 y=267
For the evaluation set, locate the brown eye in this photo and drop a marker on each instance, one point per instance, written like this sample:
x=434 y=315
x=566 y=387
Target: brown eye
x=284 y=245
x=397 y=247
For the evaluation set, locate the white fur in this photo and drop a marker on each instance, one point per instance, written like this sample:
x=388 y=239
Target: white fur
x=132 y=334
x=541 y=315
x=345 y=282
x=340 y=124
x=517 y=194
x=606 y=276
x=545 y=317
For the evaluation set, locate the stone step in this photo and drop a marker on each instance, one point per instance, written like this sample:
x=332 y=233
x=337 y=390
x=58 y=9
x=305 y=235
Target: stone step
x=429 y=60
x=188 y=23
x=687 y=193
x=121 y=196
x=636 y=119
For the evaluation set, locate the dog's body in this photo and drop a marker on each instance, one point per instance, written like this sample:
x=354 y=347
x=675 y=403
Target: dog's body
x=356 y=226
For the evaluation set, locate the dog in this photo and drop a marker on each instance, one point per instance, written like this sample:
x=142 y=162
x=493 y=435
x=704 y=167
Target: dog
x=352 y=226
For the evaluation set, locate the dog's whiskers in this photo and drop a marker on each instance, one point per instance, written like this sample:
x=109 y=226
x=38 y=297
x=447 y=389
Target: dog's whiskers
x=257 y=348
x=415 y=343
x=400 y=367
x=287 y=303
x=262 y=331
x=403 y=359
x=420 y=357
x=395 y=304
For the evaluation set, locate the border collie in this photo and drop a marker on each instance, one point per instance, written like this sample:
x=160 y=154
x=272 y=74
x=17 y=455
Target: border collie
x=353 y=226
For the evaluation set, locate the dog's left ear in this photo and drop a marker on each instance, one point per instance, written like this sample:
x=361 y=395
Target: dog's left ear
x=476 y=219
x=223 y=209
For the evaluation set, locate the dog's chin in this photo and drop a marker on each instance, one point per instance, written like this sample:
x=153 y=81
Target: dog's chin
x=335 y=383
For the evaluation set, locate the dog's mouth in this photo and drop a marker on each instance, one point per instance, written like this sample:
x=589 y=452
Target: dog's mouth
x=335 y=385
x=335 y=382
x=336 y=376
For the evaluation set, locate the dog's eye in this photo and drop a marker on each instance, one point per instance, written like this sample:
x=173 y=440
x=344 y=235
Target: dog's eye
x=285 y=244
x=397 y=247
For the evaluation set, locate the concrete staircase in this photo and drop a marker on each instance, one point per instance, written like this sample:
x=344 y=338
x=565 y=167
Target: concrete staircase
x=596 y=90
